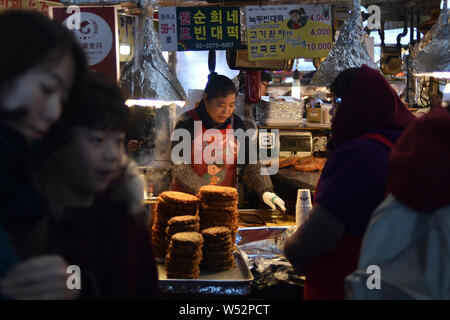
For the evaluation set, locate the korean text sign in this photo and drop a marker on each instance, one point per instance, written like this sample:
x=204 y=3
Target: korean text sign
x=288 y=31
x=199 y=28
x=35 y=5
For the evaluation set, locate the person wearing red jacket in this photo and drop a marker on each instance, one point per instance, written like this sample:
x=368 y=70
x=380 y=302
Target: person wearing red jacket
x=368 y=118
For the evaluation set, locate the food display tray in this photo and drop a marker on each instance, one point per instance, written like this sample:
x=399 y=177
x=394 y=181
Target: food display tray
x=233 y=282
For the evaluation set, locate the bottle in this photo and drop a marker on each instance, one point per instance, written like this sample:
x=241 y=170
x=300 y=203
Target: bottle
x=303 y=206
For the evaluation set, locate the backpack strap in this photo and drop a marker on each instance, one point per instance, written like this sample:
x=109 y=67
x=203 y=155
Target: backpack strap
x=380 y=138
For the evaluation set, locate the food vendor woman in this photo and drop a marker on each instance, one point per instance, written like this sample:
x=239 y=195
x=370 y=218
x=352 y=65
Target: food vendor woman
x=207 y=126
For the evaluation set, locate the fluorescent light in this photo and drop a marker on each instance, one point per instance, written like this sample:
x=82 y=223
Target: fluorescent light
x=436 y=74
x=125 y=49
x=166 y=55
x=152 y=103
x=447 y=88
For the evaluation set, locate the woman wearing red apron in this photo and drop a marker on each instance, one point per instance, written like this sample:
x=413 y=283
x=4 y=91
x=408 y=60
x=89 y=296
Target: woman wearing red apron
x=211 y=126
x=368 y=118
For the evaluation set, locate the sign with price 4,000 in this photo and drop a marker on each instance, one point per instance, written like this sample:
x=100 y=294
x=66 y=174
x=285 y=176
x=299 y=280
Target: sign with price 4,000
x=199 y=28
x=288 y=31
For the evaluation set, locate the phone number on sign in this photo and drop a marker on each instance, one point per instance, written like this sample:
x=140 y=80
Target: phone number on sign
x=227 y=45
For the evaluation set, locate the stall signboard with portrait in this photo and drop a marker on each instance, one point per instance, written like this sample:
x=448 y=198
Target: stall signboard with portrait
x=98 y=33
x=199 y=28
x=288 y=31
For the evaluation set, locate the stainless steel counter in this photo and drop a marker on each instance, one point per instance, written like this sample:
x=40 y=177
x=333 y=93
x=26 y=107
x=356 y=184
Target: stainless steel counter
x=298 y=179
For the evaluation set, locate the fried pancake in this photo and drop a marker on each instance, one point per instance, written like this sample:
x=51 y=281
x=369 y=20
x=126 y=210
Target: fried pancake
x=218 y=193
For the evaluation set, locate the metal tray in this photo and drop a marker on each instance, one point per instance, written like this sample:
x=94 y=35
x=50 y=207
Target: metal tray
x=233 y=282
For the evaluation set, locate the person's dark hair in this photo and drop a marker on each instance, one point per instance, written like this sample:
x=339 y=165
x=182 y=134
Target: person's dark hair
x=29 y=39
x=219 y=86
x=439 y=93
x=101 y=106
x=266 y=76
x=297 y=11
x=343 y=81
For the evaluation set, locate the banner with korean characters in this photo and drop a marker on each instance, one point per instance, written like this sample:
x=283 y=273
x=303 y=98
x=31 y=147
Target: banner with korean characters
x=288 y=31
x=199 y=28
x=35 y=5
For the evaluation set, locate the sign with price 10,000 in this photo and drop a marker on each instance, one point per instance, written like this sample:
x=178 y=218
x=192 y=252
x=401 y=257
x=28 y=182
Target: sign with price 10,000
x=288 y=31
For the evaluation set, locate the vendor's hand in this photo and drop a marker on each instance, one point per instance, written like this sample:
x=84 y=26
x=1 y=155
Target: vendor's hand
x=43 y=278
x=271 y=199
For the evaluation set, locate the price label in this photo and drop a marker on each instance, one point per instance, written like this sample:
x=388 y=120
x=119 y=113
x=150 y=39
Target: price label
x=288 y=31
x=168 y=28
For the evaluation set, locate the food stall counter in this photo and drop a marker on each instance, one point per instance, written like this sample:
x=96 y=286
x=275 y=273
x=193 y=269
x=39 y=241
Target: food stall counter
x=298 y=179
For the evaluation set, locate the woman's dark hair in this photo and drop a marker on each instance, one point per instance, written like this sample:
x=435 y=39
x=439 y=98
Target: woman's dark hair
x=29 y=39
x=219 y=86
x=101 y=106
x=343 y=81
x=266 y=76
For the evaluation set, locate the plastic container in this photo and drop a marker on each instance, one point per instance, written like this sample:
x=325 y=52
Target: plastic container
x=303 y=206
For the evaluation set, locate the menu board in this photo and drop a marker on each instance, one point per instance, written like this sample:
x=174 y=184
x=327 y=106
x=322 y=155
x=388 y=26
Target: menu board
x=199 y=28
x=288 y=31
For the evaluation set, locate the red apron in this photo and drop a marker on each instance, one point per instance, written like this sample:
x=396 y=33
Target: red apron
x=325 y=276
x=223 y=174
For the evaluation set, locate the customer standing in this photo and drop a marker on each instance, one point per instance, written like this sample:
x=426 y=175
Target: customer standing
x=368 y=118
x=410 y=230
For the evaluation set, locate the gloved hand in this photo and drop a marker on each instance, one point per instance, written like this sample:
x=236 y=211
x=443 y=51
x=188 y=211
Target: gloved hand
x=271 y=199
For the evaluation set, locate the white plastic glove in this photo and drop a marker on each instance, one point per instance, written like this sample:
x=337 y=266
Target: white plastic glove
x=271 y=199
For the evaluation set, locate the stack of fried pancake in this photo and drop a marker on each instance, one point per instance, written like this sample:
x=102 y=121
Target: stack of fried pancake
x=170 y=204
x=218 y=207
x=184 y=255
x=182 y=224
x=217 y=249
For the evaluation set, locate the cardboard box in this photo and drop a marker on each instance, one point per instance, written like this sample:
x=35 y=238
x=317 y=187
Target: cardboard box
x=314 y=115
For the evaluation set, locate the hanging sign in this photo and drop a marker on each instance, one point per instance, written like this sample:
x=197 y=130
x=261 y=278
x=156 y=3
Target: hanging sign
x=288 y=31
x=199 y=28
x=97 y=34
x=35 y=5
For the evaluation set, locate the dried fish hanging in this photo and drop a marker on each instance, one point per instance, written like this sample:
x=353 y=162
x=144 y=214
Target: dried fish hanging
x=349 y=51
x=147 y=75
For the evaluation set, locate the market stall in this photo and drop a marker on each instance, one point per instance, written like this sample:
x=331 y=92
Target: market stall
x=211 y=244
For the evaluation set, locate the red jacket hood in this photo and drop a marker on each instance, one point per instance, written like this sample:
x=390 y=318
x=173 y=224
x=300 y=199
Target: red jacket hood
x=369 y=104
x=419 y=171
